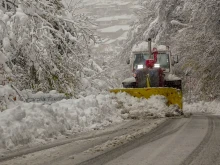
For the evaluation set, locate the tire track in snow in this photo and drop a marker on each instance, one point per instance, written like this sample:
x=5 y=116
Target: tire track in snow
x=122 y=129
x=158 y=133
x=208 y=151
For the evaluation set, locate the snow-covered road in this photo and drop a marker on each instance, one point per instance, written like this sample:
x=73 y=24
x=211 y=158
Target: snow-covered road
x=186 y=141
x=82 y=146
x=83 y=128
x=31 y=124
x=173 y=141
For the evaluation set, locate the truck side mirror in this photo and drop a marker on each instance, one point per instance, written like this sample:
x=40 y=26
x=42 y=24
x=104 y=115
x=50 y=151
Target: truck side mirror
x=128 y=61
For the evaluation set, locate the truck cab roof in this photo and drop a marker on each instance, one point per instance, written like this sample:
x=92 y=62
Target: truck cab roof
x=143 y=47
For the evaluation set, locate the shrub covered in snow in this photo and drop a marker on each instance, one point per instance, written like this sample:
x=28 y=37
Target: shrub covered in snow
x=8 y=97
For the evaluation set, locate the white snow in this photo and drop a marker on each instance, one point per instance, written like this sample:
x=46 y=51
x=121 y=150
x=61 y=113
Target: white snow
x=123 y=36
x=6 y=44
x=110 y=41
x=175 y=22
x=171 y=77
x=100 y=84
x=161 y=48
x=115 y=18
x=105 y=3
x=129 y=80
x=21 y=15
x=3 y=59
x=136 y=7
x=36 y=123
x=143 y=47
x=122 y=3
x=8 y=97
x=52 y=96
x=94 y=66
x=202 y=107
x=5 y=18
x=115 y=28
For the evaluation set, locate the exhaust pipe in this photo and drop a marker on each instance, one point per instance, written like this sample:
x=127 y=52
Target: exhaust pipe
x=149 y=47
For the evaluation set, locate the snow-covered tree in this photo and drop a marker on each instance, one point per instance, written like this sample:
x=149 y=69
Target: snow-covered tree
x=198 y=45
x=191 y=29
x=46 y=44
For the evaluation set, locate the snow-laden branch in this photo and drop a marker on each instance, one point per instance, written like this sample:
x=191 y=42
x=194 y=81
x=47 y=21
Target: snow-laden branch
x=175 y=22
x=45 y=48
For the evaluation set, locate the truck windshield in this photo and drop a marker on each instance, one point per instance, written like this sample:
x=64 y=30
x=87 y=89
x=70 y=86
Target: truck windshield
x=162 y=59
x=140 y=59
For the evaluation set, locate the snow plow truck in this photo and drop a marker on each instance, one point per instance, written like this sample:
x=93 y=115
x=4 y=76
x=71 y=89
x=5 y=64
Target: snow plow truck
x=152 y=74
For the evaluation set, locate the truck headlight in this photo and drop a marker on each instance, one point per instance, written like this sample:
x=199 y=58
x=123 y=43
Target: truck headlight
x=156 y=65
x=140 y=66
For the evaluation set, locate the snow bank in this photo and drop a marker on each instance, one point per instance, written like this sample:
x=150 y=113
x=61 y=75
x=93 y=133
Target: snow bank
x=202 y=107
x=35 y=123
x=8 y=97
x=135 y=108
x=172 y=77
x=136 y=7
x=53 y=95
x=129 y=80
x=115 y=18
x=115 y=28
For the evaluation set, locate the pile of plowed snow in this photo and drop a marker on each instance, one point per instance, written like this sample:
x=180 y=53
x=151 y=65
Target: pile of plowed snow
x=8 y=97
x=36 y=123
x=202 y=107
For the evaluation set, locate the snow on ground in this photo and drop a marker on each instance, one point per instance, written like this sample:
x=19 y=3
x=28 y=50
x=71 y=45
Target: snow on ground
x=172 y=77
x=202 y=107
x=106 y=2
x=8 y=96
x=125 y=138
x=113 y=18
x=36 y=123
x=142 y=46
x=122 y=3
x=108 y=41
x=114 y=28
x=123 y=36
x=40 y=96
x=136 y=7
